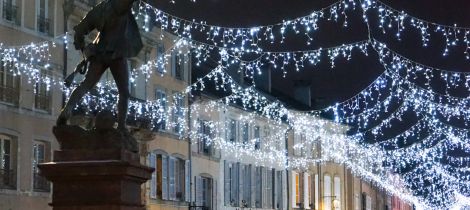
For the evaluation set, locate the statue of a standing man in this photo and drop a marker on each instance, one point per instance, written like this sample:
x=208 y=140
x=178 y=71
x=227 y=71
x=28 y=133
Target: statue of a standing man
x=118 y=39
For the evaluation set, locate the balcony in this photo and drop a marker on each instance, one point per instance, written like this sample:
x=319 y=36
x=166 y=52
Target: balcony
x=10 y=94
x=7 y=179
x=40 y=184
x=44 y=25
x=10 y=13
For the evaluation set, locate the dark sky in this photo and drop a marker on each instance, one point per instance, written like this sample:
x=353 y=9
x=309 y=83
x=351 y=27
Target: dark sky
x=349 y=77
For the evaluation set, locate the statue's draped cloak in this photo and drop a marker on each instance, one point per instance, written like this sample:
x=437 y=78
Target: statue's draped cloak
x=119 y=33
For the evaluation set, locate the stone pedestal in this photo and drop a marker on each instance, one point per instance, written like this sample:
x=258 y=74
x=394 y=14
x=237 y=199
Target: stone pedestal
x=98 y=178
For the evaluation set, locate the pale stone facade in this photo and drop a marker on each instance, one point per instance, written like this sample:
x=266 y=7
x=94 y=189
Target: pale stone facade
x=27 y=111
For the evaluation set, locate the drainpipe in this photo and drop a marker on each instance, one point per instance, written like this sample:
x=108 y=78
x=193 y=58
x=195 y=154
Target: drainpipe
x=189 y=138
x=287 y=170
x=68 y=8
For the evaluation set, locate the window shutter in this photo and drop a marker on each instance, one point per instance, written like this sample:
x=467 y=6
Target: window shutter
x=173 y=63
x=306 y=188
x=187 y=188
x=165 y=177
x=327 y=191
x=241 y=172
x=317 y=196
x=253 y=186
x=171 y=175
x=275 y=190
x=199 y=191
x=226 y=184
x=214 y=194
x=153 y=182
x=200 y=142
x=264 y=187
x=294 y=189
x=247 y=185
x=234 y=185
x=337 y=191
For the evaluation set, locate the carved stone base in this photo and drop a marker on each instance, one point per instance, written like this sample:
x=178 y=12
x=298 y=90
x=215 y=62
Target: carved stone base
x=96 y=185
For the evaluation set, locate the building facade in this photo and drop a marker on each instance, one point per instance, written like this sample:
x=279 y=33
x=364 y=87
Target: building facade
x=28 y=110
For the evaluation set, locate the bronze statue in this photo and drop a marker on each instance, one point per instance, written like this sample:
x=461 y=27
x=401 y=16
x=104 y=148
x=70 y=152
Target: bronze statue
x=117 y=40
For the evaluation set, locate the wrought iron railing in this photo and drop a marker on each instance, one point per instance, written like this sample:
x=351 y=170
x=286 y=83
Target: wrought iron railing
x=44 y=25
x=7 y=179
x=40 y=184
x=10 y=12
x=10 y=94
x=42 y=101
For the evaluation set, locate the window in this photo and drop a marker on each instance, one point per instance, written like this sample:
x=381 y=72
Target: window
x=160 y=59
x=40 y=152
x=178 y=114
x=160 y=95
x=204 y=193
x=368 y=202
x=205 y=134
x=231 y=184
x=9 y=84
x=43 y=93
x=299 y=147
x=43 y=20
x=171 y=178
x=10 y=12
x=245 y=133
x=357 y=203
x=205 y=146
x=231 y=134
x=327 y=192
x=337 y=191
x=257 y=138
x=258 y=187
x=177 y=69
x=7 y=164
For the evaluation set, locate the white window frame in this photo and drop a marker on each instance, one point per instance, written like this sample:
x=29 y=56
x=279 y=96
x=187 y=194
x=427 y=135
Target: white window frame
x=327 y=201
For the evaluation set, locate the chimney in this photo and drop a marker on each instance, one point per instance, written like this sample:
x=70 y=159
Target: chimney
x=263 y=80
x=302 y=92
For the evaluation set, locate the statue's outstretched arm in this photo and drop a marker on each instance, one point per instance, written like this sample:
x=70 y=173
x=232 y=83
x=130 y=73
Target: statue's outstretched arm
x=121 y=7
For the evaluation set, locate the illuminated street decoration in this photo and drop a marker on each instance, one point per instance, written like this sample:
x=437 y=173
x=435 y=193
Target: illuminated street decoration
x=440 y=179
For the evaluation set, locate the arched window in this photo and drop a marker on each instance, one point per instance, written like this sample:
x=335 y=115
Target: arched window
x=337 y=192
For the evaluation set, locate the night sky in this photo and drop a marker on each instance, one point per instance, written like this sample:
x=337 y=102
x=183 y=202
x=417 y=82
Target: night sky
x=348 y=77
